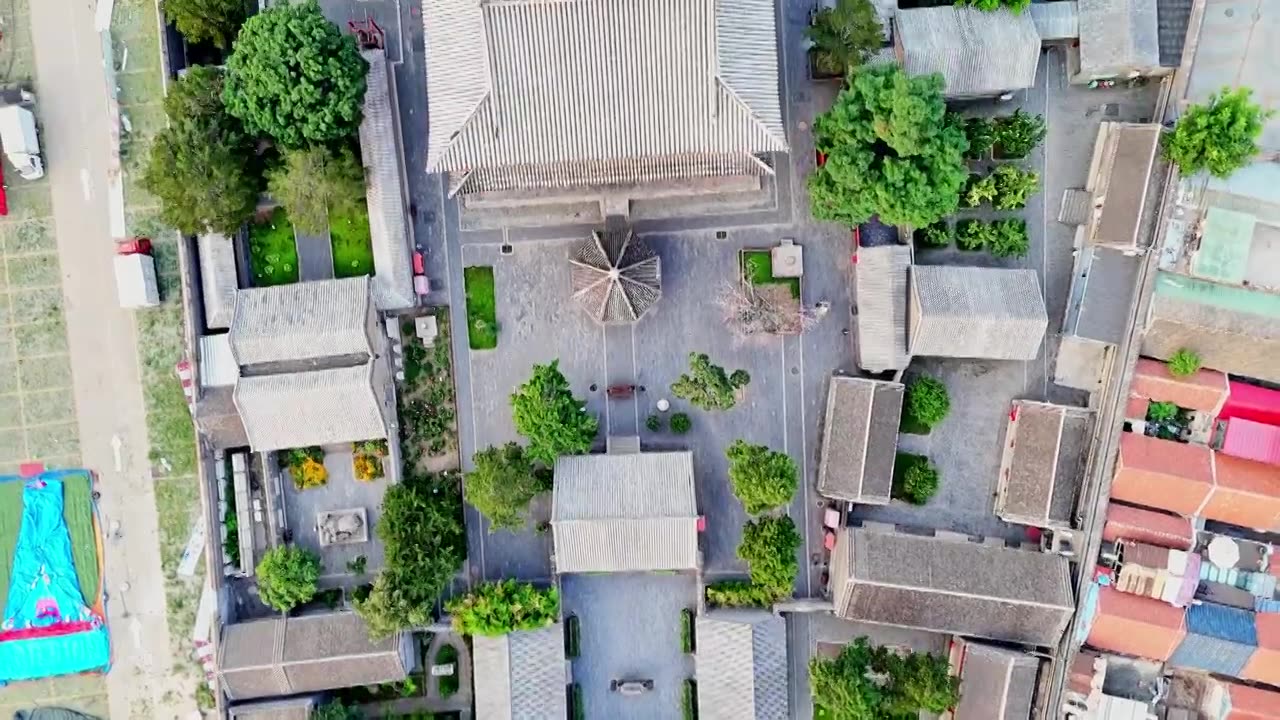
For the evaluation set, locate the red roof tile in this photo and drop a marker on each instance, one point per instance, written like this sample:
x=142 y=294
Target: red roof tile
x=1205 y=390
x=1251 y=703
x=1248 y=493
x=1136 y=625
x=1163 y=474
x=1125 y=522
x=1136 y=408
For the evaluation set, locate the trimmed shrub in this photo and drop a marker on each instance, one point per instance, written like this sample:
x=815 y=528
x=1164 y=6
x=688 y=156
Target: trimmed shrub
x=1009 y=238
x=981 y=134
x=939 y=234
x=1018 y=134
x=501 y=607
x=927 y=400
x=981 y=189
x=973 y=234
x=919 y=483
x=287 y=577
x=653 y=422
x=1185 y=362
x=761 y=478
x=1162 y=411
x=680 y=423
x=1013 y=187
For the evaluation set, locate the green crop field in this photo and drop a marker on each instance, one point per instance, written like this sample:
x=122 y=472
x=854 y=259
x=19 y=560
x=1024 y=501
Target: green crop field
x=77 y=511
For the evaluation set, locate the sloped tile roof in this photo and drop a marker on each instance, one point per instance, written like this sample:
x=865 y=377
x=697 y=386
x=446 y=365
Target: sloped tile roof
x=1043 y=463
x=1056 y=20
x=520 y=675
x=973 y=312
x=882 y=273
x=1108 y=291
x=1205 y=390
x=860 y=439
x=978 y=53
x=1118 y=35
x=318 y=407
x=742 y=665
x=218 y=281
x=302 y=321
x=996 y=684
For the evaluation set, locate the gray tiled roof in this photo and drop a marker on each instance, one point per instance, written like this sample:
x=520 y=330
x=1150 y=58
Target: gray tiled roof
x=1119 y=190
x=882 y=306
x=288 y=656
x=1117 y=36
x=287 y=709
x=380 y=152
x=520 y=675
x=302 y=321
x=978 y=53
x=218 y=281
x=860 y=439
x=1043 y=463
x=972 y=312
x=525 y=86
x=318 y=407
x=951 y=586
x=1173 y=17
x=742 y=665
x=614 y=513
x=1056 y=20
x=996 y=684
x=1108 y=292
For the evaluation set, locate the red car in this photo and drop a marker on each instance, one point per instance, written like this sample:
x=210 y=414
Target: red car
x=134 y=246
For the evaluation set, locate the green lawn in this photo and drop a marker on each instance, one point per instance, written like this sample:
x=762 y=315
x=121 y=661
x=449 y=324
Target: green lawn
x=273 y=253
x=77 y=511
x=482 y=308
x=757 y=267
x=352 y=249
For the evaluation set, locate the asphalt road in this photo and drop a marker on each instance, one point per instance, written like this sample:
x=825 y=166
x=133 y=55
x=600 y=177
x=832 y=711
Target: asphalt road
x=73 y=110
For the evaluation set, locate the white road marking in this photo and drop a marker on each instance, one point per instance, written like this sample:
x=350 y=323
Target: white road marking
x=116 y=445
x=86 y=184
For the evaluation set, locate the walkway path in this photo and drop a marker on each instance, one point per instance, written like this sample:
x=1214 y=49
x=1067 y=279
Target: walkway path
x=315 y=256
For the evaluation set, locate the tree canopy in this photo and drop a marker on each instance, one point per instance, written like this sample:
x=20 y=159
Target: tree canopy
x=769 y=547
x=1015 y=6
x=1219 y=136
x=287 y=577
x=313 y=182
x=502 y=484
x=202 y=166
x=708 y=386
x=762 y=478
x=891 y=150
x=846 y=35
x=927 y=400
x=214 y=21
x=550 y=417
x=501 y=607
x=294 y=77
x=424 y=544
x=868 y=682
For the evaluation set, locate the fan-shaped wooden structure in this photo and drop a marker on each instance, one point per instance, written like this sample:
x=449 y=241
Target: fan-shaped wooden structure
x=616 y=276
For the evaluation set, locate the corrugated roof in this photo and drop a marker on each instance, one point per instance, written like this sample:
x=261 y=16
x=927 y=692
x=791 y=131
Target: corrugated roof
x=380 y=152
x=1251 y=402
x=1108 y=292
x=978 y=53
x=996 y=684
x=881 y=290
x=1131 y=523
x=1043 y=463
x=1163 y=474
x=1172 y=19
x=742 y=665
x=288 y=656
x=972 y=312
x=318 y=407
x=1119 y=188
x=955 y=586
x=288 y=709
x=525 y=84
x=1056 y=20
x=218 y=281
x=1247 y=493
x=520 y=675
x=302 y=321
x=1136 y=625
x=1252 y=441
x=1117 y=36
x=1204 y=390
x=615 y=513
x=860 y=439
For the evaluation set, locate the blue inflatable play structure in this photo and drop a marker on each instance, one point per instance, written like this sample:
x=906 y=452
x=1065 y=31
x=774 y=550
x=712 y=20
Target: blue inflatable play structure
x=49 y=628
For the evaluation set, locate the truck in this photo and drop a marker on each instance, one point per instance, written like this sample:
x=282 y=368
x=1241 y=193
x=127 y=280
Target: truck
x=18 y=136
x=136 y=274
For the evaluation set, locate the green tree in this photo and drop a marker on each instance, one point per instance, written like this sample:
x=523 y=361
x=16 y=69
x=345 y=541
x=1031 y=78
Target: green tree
x=501 y=607
x=502 y=484
x=892 y=150
x=424 y=544
x=981 y=136
x=550 y=417
x=653 y=423
x=1010 y=238
x=314 y=182
x=919 y=482
x=335 y=710
x=287 y=577
x=866 y=682
x=845 y=36
x=214 y=21
x=1018 y=134
x=974 y=234
x=762 y=479
x=979 y=189
x=1219 y=136
x=939 y=234
x=708 y=386
x=1014 y=6
x=294 y=77
x=1014 y=186
x=1162 y=411
x=1184 y=363
x=769 y=547
x=927 y=400
x=680 y=423
x=202 y=166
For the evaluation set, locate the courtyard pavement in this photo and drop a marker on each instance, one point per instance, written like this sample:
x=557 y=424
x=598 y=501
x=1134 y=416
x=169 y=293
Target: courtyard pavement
x=630 y=630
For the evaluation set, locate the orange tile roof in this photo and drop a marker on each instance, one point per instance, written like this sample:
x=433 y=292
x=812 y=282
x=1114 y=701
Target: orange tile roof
x=1125 y=522
x=1163 y=474
x=1136 y=408
x=1205 y=390
x=1264 y=666
x=1136 y=625
x=1248 y=493
x=1251 y=703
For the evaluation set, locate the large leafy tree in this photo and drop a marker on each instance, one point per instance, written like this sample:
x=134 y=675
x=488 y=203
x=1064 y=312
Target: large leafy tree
x=1014 y=6
x=294 y=77
x=424 y=544
x=769 y=547
x=214 y=21
x=866 y=682
x=550 y=417
x=1219 y=136
x=287 y=577
x=708 y=386
x=503 y=483
x=762 y=479
x=501 y=607
x=891 y=150
x=202 y=166
x=846 y=35
x=313 y=182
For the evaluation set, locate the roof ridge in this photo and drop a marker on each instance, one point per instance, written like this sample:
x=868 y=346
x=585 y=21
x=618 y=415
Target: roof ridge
x=780 y=143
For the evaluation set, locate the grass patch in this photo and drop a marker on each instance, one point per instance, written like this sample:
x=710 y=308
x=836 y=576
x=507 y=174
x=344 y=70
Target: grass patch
x=689 y=699
x=482 y=308
x=352 y=245
x=757 y=268
x=273 y=253
x=572 y=637
x=576 y=709
x=686 y=630
x=446 y=655
x=427 y=414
